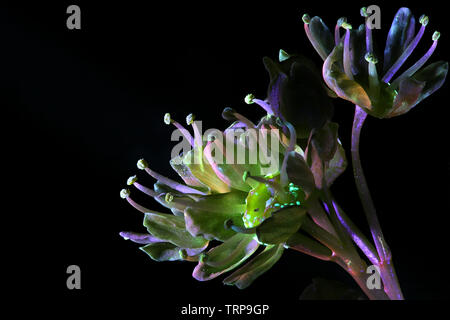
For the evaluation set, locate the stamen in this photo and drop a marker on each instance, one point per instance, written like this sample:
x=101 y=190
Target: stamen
x=220 y=146
x=369 y=43
x=249 y=98
x=168 y=120
x=306 y=19
x=143 y=165
x=169 y=197
x=214 y=165
x=131 y=180
x=420 y=62
x=197 y=138
x=125 y=194
x=347 y=63
x=143 y=189
x=373 y=75
x=267 y=107
x=244 y=120
x=337 y=34
x=228 y=224
x=231 y=115
x=392 y=70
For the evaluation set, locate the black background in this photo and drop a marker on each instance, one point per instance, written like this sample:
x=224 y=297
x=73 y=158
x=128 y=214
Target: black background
x=80 y=107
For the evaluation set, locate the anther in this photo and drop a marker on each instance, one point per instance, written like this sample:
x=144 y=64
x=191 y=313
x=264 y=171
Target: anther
x=169 y=197
x=306 y=18
x=249 y=98
x=190 y=119
x=167 y=118
x=436 y=35
x=371 y=58
x=363 y=12
x=124 y=193
x=424 y=20
x=131 y=180
x=346 y=26
x=142 y=164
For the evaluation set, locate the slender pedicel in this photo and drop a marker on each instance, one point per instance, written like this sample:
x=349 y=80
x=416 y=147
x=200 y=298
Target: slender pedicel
x=168 y=120
x=347 y=62
x=390 y=73
x=143 y=165
x=420 y=62
x=361 y=242
x=307 y=19
x=125 y=194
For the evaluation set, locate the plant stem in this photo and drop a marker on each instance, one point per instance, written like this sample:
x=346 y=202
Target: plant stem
x=388 y=275
x=348 y=260
x=358 y=237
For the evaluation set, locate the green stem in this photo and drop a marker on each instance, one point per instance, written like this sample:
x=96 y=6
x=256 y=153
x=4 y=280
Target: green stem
x=388 y=275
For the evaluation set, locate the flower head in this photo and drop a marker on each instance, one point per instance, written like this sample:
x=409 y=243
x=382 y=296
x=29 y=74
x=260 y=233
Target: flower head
x=355 y=72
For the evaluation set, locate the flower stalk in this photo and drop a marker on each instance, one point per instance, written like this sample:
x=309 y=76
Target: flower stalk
x=388 y=274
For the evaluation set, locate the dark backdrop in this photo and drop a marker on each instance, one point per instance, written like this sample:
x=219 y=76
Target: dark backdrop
x=83 y=105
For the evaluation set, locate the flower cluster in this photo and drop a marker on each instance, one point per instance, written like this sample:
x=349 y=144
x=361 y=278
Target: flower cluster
x=253 y=190
x=238 y=203
x=353 y=70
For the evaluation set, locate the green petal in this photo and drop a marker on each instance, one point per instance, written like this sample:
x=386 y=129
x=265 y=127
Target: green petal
x=325 y=141
x=434 y=77
x=225 y=257
x=210 y=225
x=280 y=227
x=162 y=251
x=185 y=173
x=400 y=35
x=357 y=52
x=171 y=228
x=321 y=34
x=343 y=86
x=244 y=276
x=204 y=173
x=408 y=95
x=299 y=173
